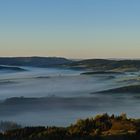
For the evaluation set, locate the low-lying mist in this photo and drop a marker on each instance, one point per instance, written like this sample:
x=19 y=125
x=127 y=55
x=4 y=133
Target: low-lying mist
x=41 y=96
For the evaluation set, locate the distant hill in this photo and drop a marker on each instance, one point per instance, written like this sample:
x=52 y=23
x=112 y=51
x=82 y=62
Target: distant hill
x=88 y=64
x=11 y=68
x=107 y=65
x=124 y=89
x=34 y=61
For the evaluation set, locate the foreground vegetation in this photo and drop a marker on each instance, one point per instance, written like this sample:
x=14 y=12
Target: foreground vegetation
x=102 y=127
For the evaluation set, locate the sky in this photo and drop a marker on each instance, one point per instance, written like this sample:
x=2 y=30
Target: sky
x=70 y=28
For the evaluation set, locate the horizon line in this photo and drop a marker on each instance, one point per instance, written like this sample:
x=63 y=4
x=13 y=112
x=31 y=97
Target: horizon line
x=106 y=58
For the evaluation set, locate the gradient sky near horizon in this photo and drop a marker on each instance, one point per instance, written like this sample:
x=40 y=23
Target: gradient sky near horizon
x=70 y=28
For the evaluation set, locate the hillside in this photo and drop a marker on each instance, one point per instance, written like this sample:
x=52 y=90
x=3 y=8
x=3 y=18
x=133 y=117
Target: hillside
x=126 y=89
x=88 y=64
x=107 y=65
x=34 y=61
x=11 y=68
x=102 y=127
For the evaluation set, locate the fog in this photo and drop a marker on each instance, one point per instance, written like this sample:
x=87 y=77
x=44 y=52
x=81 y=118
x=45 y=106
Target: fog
x=59 y=96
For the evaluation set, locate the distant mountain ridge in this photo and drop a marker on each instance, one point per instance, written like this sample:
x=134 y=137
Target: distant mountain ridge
x=107 y=65
x=34 y=61
x=87 y=64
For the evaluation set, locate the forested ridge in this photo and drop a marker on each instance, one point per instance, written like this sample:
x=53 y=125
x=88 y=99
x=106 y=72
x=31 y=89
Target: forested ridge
x=101 y=127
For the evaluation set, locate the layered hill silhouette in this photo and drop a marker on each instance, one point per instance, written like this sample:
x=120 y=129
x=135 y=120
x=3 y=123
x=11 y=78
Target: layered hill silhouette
x=11 y=68
x=88 y=64
x=124 y=89
x=34 y=61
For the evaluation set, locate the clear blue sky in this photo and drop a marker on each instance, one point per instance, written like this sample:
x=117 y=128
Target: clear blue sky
x=70 y=28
